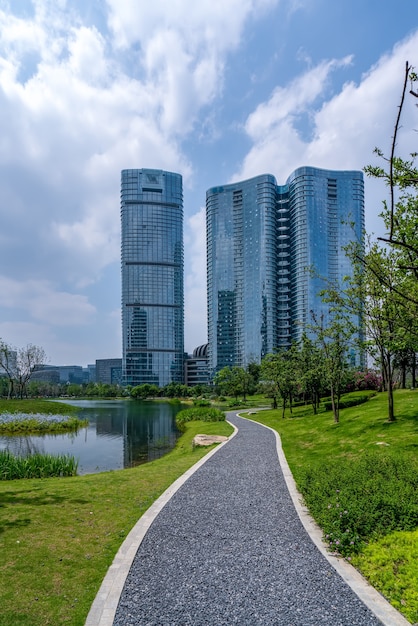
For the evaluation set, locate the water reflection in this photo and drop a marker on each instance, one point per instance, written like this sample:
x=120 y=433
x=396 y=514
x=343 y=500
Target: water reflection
x=120 y=434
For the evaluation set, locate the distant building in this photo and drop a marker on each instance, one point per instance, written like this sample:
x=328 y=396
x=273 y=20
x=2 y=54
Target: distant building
x=91 y=370
x=196 y=367
x=109 y=371
x=262 y=240
x=64 y=374
x=152 y=277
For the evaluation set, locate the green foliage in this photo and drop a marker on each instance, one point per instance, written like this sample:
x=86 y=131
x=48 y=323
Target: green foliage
x=201 y=402
x=355 y=501
x=280 y=375
x=141 y=392
x=352 y=399
x=175 y=390
x=390 y=565
x=36 y=466
x=202 y=414
x=235 y=381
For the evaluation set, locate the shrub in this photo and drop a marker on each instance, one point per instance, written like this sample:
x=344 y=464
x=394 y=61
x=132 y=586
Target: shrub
x=352 y=399
x=201 y=402
x=355 y=501
x=202 y=414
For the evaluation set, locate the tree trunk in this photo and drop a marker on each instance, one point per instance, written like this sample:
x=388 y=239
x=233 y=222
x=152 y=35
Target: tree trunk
x=403 y=378
x=413 y=370
x=391 y=410
x=335 y=406
x=384 y=370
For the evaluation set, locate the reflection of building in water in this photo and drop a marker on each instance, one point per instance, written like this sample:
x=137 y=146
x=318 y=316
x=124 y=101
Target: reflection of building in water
x=152 y=277
x=150 y=436
x=148 y=429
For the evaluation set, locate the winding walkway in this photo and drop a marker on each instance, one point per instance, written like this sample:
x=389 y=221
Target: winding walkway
x=226 y=545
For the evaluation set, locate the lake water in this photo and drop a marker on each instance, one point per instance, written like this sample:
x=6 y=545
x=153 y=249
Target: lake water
x=120 y=434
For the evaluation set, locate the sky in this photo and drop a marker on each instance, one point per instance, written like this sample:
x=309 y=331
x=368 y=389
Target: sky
x=216 y=90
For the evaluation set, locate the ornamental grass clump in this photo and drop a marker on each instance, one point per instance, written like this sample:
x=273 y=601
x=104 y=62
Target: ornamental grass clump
x=203 y=414
x=360 y=500
x=14 y=467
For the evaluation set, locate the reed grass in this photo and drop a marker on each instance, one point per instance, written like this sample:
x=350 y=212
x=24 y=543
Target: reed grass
x=37 y=465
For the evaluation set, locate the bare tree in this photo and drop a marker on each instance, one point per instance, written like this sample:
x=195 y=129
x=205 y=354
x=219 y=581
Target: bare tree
x=27 y=360
x=8 y=365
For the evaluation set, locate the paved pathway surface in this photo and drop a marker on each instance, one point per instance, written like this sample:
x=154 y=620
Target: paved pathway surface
x=229 y=548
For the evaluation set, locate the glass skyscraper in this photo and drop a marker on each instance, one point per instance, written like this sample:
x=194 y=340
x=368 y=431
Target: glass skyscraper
x=262 y=241
x=152 y=277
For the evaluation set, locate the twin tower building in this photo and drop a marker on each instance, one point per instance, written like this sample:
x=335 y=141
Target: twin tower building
x=269 y=249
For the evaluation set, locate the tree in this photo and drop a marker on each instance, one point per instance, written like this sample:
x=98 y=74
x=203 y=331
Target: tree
x=389 y=320
x=400 y=213
x=144 y=391
x=27 y=359
x=311 y=371
x=334 y=339
x=233 y=381
x=8 y=365
x=279 y=375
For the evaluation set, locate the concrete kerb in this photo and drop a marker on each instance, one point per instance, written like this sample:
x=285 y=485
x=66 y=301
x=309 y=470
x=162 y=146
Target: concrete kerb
x=383 y=610
x=103 y=609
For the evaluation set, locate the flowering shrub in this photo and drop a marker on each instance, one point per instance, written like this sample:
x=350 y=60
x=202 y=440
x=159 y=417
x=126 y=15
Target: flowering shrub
x=364 y=381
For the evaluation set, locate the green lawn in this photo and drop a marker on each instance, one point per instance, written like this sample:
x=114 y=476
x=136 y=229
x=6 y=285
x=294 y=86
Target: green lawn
x=58 y=536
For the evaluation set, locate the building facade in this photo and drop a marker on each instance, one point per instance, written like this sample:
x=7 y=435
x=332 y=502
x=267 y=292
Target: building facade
x=152 y=277
x=108 y=371
x=269 y=249
x=196 y=371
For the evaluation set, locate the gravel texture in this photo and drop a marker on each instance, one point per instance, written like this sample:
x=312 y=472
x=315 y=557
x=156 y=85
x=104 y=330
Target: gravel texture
x=229 y=548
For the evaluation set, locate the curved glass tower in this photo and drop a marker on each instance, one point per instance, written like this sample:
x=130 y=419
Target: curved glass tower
x=152 y=277
x=263 y=240
x=241 y=262
x=326 y=214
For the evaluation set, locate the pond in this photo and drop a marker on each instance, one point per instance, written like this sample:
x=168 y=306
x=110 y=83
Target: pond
x=120 y=434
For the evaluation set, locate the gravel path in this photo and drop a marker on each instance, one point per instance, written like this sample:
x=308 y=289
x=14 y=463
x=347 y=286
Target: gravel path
x=229 y=548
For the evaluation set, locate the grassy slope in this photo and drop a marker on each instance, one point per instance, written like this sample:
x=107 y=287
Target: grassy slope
x=308 y=440
x=59 y=536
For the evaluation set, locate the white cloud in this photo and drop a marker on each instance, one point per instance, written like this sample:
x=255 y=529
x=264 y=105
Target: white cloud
x=42 y=302
x=195 y=283
x=344 y=129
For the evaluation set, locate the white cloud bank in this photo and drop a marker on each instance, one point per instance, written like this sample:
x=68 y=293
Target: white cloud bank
x=344 y=129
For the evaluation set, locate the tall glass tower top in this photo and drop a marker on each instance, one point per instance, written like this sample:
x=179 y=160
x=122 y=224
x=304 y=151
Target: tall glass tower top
x=152 y=277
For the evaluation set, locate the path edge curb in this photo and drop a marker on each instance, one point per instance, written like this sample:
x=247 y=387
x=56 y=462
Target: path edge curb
x=103 y=609
x=373 y=599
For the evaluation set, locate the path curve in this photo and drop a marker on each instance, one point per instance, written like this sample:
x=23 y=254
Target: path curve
x=226 y=545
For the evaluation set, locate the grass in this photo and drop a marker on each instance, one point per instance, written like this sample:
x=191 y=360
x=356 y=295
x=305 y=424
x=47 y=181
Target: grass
x=312 y=443
x=35 y=405
x=58 y=536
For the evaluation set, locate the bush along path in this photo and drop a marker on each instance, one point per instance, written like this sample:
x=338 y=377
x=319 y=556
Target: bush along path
x=229 y=548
